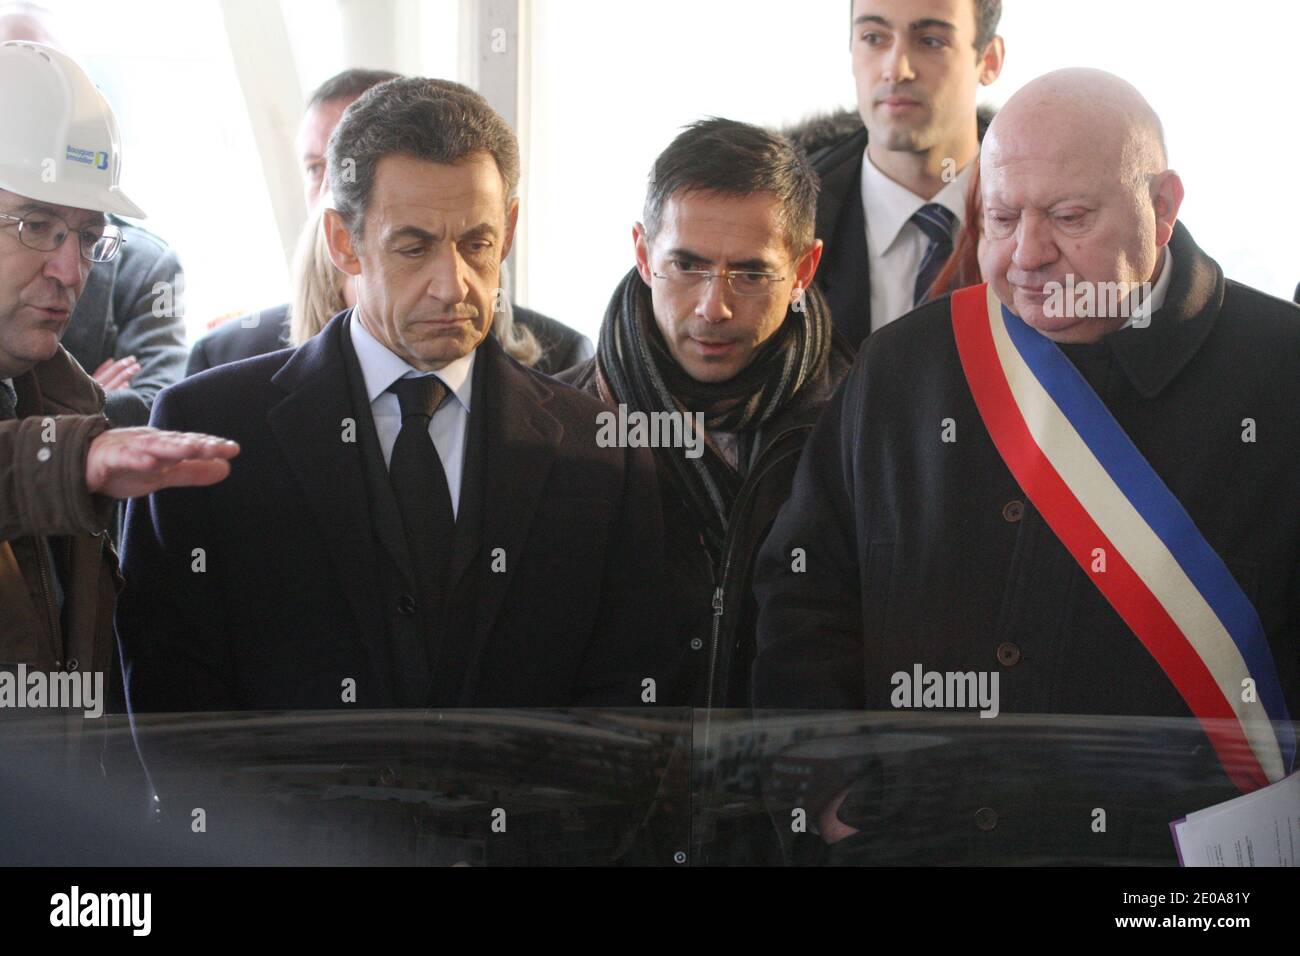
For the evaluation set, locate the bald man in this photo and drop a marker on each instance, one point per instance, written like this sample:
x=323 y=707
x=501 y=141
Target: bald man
x=1080 y=486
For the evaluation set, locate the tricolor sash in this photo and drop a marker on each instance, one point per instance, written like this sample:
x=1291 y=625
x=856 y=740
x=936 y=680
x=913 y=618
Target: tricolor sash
x=1096 y=490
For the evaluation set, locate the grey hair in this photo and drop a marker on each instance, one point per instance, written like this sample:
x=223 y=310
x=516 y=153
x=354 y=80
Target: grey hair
x=348 y=85
x=433 y=120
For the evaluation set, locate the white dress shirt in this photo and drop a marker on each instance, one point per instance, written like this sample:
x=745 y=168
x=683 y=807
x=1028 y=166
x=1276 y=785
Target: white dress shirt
x=1159 y=289
x=896 y=245
x=449 y=427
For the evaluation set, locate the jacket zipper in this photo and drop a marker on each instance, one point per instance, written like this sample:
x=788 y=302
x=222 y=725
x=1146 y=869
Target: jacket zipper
x=717 y=627
x=765 y=461
x=728 y=548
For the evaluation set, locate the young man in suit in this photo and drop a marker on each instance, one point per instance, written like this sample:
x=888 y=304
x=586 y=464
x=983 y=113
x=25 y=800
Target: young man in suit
x=893 y=193
x=416 y=520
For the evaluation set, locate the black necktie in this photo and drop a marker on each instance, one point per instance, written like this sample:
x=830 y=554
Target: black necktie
x=8 y=401
x=420 y=486
x=936 y=222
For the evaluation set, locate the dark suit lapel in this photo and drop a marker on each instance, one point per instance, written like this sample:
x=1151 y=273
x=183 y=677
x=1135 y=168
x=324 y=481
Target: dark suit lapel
x=840 y=173
x=309 y=426
x=522 y=438
x=385 y=515
x=847 y=284
x=1152 y=356
x=519 y=439
x=845 y=273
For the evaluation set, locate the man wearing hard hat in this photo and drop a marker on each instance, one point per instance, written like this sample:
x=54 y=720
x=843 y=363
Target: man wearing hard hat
x=60 y=464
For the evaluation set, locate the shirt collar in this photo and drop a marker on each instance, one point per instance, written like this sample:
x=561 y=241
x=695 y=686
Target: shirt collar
x=1161 y=288
x=889 y=206
x=1156 y=300
x=381 y=367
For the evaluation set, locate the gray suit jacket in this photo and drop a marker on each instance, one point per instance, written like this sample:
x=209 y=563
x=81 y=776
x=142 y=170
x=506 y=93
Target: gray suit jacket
x=116 y=316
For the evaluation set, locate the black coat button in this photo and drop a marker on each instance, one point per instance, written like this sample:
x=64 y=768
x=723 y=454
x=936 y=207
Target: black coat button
x=1013 y=511
x=406 y=605
x=986 y=818
x=1008 y=654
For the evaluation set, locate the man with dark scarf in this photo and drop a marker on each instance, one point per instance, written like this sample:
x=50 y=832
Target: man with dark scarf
x=719 y=319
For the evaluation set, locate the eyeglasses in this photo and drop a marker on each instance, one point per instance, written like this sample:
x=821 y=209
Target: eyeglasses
x=743 y=283
x=45 y=232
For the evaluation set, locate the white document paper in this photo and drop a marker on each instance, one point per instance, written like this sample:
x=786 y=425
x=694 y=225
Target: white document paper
x=1258 y=829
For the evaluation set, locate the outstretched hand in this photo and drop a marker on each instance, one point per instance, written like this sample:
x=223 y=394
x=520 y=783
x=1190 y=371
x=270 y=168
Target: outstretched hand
x=129 y=462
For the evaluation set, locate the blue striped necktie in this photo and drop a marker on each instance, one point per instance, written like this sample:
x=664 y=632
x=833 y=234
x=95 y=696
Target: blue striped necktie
x=936 y=222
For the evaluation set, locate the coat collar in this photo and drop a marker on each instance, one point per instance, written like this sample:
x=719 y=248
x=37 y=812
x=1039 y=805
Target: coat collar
x=58 y=386
x=1152 y=357
x=839 y=173
x=840 y=177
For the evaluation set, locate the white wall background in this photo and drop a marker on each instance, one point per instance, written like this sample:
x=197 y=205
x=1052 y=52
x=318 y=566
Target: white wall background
x=611 y=83
x=1226 y=84
x=188 y=155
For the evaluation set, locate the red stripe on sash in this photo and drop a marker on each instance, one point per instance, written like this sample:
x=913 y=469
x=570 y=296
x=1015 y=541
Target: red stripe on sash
x=1126 y=592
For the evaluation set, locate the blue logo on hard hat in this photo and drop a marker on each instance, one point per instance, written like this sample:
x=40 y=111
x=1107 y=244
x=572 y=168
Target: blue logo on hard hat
x=87 y=157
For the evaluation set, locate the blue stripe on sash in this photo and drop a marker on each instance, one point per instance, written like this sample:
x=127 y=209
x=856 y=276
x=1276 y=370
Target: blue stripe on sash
x=1159 y=508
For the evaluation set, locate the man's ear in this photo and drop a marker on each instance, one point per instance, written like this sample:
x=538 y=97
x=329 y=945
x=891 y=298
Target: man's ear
x=991 y=60
x=806 y=267
x=641 y=244
x=339 y=241
x=1167 y=199
x=512 y=220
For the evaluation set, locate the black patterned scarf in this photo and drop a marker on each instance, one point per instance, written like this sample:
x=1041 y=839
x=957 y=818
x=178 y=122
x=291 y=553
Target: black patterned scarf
x=635 y=368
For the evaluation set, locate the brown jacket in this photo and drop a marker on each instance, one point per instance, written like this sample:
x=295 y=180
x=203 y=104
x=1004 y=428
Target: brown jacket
x=43 y=499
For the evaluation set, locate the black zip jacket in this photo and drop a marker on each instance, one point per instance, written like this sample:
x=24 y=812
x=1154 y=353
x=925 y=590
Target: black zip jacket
x=710 y=595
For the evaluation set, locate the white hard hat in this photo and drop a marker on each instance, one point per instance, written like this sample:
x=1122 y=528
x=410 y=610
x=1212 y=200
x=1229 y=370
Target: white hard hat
x=59 y=141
